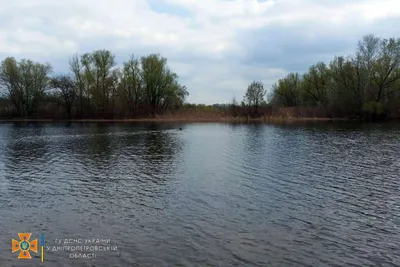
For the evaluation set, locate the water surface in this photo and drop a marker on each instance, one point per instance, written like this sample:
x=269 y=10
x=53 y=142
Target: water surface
x=209 y=195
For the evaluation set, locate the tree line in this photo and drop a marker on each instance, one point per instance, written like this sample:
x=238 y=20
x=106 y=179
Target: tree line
x=363 y=85
x=93 y=87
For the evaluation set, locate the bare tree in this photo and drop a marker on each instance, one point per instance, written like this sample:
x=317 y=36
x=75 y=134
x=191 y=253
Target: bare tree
x=316 y=84
x=254 y=95
x=66 y=89
x=381 y=60
x=130 y=84
x=77 y=70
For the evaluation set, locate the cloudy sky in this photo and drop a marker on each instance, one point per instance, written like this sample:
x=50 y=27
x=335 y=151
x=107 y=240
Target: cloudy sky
x=216 y=46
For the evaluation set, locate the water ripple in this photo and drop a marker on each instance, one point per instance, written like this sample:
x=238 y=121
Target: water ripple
x=211 y=195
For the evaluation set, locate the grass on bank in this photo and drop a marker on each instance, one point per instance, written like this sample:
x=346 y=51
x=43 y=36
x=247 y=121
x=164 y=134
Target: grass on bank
x=207 y=114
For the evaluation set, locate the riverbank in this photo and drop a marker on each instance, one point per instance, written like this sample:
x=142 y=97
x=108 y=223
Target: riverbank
x=185 y=120
x=203 y=114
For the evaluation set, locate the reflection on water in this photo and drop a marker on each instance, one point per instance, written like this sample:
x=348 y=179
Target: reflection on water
x=210 y=195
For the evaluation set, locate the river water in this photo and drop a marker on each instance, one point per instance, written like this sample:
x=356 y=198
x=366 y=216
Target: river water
x=206 y=195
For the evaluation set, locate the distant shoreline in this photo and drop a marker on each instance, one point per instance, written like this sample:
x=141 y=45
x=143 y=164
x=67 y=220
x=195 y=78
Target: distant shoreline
x=190 y=120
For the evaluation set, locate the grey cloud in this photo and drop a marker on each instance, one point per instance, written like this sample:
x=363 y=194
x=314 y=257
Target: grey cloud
x=289 y=47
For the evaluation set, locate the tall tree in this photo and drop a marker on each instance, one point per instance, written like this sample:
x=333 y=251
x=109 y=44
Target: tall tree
x=381 y=61
x=316 y=84
x=130 y=87
x=100 y=77
x=66 y=90
x=26 y=82
x=76 y=68
x=348 y=84
x=286 y=91
x=386 y=70
x=254 y=95
x=157 y=79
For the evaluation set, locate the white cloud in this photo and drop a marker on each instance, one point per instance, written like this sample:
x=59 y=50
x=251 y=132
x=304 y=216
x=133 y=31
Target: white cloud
x=217 y=47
